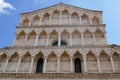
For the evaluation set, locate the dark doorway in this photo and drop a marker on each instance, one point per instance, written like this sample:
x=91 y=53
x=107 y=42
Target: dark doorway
x=39 y=66
x=78 y=65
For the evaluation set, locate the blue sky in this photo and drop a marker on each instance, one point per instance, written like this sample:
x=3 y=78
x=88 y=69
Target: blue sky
x=10 y=10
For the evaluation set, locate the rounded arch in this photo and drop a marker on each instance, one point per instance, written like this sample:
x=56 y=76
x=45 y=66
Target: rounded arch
x=85 y=19
x=21 y=35
x=95 y=20
x=26 y=22
x=36 y=20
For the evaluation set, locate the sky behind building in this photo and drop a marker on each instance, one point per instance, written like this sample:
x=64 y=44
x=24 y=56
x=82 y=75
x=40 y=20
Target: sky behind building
x=10 y=10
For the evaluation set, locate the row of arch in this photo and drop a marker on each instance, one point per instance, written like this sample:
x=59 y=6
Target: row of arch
x=54 y=34
x=65 y=59
x=64 y=16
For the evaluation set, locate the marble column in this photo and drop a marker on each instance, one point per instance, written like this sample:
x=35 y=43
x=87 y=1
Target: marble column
x=58 y=64
x=71 y=64
x=18 y=65
x=59 y=39
x=98 y=62
x=44 y=65
x=36 y=40
x=31 y=64
x=6 y=63
x=70 y=39
x=94 y=39
x=82 y=38
x=47 y=41
x=85 y=63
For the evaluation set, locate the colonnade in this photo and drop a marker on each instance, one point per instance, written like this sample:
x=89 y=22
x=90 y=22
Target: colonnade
x=112 y=60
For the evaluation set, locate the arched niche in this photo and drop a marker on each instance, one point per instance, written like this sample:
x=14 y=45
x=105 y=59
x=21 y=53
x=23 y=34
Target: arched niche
x=32 y=35
x=21 y=35
x=51 y=62
x=13 y=62
x=92 y=65
x=76 y=37
x=65 y=17
x=116 y=60
x=85 y=19
x=75 y=18
x=100 y=38
x=65 y=62
x=54 y=35
x=88 y=38
x=36 y=20
x=2 y=61
x=105 y=62
x=55 y=17
x=25 y=63
x=46 y=19
x=95 y=20
x=65 y=36
x=56 y=14
x=42 y=38
x=26 y=22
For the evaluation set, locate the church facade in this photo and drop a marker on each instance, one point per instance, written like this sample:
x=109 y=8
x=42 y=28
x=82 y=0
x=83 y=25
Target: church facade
x=60 y=42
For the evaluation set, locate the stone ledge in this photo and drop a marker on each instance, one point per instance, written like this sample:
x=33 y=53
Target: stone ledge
x=60 y=75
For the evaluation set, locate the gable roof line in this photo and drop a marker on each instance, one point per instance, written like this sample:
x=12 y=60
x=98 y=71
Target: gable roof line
x=60 y=4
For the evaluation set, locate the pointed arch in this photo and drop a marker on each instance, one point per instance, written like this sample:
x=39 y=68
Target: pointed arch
x=116 y=60
x=51 y=63
x=100 y=38
x=105 y=62
x=65 y=34
x=85 y=19
x=21 y=35
x=39 y=55
x=65 y=14
x=42 y=38
x=13 y=62
x=65 y=62
x=32 y=35
x=95 y=20
x=26 y=22
x=75 y=18
x=77 y=37
x=56 y=14
x=78 y=64
x=53 y=35
x=25 y=63
x=65 y=17
x=36 y=20
x=88 y=38
x=91 y=62
x=2 y=61
x=46 y=18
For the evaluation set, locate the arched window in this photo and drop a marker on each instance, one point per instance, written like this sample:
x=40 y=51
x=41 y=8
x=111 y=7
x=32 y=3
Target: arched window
x=39 y=66
x=62 y=43
x=78 y=65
